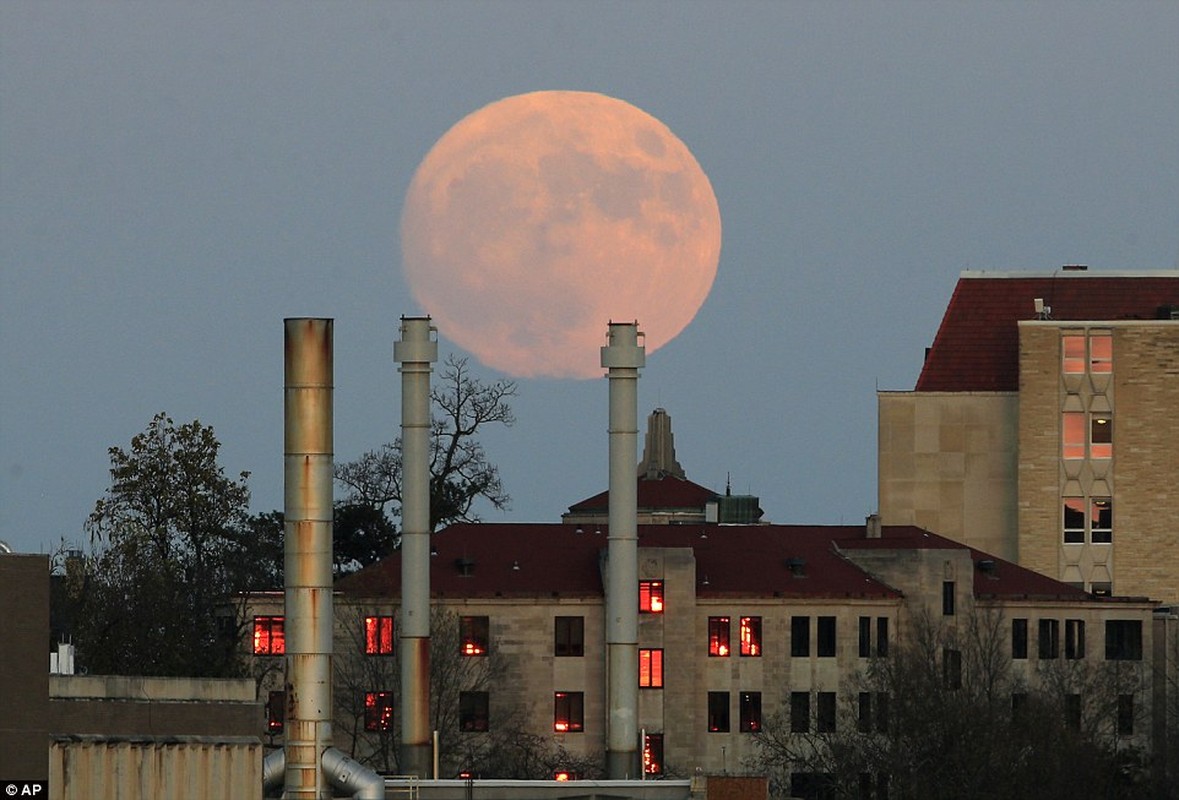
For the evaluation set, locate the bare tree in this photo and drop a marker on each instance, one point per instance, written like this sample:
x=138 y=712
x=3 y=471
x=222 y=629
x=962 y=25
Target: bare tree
x=460 y=472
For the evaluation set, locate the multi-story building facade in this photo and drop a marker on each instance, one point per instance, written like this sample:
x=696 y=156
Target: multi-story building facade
x=737 y=622
x=1043 y=428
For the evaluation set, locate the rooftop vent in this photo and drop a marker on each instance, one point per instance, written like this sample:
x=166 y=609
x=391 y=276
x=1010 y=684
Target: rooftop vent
x=987 y=565
x=1075 y=267
x=465 y=566
x=872 y=526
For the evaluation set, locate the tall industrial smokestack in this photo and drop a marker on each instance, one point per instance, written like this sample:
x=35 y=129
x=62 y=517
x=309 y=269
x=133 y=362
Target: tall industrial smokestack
x=415 y=353
x=308 y=554
x=622 y=357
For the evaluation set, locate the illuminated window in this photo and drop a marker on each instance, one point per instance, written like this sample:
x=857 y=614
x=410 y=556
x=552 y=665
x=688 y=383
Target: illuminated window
x=563 y=775
x=651 y=669
x=1100 y=353
x=653 y=754
x=749 y=704
x=1101 y=436
x=569 y=712
x=569 y=636
x=276 y=711
x=800 y=636
x=1019 y=638
x=378 y=636
x=826 y=637
x=1101 y=520
x=473 y=711
x=1074 y=520
x=474 y=635
x=718 y=712
x=651 y=597
x=1049 y=644
x=751 y=636
x=269 y=639
x=718 y=637
x=1073 y=434
x=1125 y=715
x=1074 y=354
x=1074 y=638
x=800 y=712
x=378 y=711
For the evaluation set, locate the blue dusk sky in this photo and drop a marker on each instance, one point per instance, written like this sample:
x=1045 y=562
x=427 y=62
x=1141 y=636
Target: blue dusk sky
x=176 y=178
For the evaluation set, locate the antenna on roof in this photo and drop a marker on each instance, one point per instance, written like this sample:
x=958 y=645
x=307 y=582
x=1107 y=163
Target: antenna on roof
x=1042 y=311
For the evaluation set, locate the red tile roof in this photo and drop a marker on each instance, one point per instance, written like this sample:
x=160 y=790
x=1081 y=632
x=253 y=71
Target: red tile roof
x=554 y=560
x=977 y=345
x=666 y=492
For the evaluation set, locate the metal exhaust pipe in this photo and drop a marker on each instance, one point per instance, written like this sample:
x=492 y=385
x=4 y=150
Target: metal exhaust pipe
x=308 y=554
x=622 y=357
x=415 y=352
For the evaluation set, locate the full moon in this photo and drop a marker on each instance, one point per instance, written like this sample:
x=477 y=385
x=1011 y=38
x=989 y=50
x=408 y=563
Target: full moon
x=540 y=218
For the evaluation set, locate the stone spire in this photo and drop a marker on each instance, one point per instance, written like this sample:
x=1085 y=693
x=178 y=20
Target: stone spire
x=659 y=448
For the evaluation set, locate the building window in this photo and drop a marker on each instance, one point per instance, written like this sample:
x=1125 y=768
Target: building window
x=1123 y=640
x=378 y=636
x=882 y=712
x=800 y=636
x=1074 y=638
x=947 y=598
x=1101 y=353
x=882 y=637
x=566 y=775
x=865 y=637
x=751 y=636
x=718 y=712
x=812 y=785
x=569 y=712
x=1073 y=434
x=1073 y=347
x=653 y=754
x=651 y=669
x=473 y=711
x=569 y=636
x=800 y=712
x=276 y=711
x=1019 y=706
x=1125 y=715
x=1019 y=638
x=474 y=635
x=1072 y=711
x=378 y=711
x=1074 y=520
x=864 y=718
x=952 y=668
x=1101 y=521
x=826 y=637
x=1049 y=642
x=269 y=639
x=651 y=597
x=825 y=712
x=1100 y=436
x=718 y=637
x=750 y=707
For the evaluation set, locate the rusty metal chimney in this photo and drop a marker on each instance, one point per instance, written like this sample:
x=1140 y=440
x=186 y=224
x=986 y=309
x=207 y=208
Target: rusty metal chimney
x=415 y=352
x=308 y=554
x=622 y=356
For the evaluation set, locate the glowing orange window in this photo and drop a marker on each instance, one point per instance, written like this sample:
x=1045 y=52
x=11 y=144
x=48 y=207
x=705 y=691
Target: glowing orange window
x=378 y=711
x=651 y=669
x=718 y=637
x=1073 y=434
x=653 y=754
x=751 y=636
x=474 y=636
x=269 y=637
x=651 y=597
x=1101 y=436
x=378 y=636
x=1074 y=354
x=568 y=712
x=1101 y=353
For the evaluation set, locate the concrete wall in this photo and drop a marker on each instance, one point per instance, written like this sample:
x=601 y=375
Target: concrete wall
x=947 y=463
x=24 y=667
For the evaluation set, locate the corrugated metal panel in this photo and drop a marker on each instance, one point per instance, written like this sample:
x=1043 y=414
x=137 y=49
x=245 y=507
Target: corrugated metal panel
x=93 y=768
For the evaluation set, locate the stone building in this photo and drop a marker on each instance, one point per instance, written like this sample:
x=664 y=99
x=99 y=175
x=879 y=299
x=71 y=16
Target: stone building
x=1043 y=428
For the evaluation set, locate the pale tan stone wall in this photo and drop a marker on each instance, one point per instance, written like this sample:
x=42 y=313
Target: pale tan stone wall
x=947 y=463
x=1039 y=479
